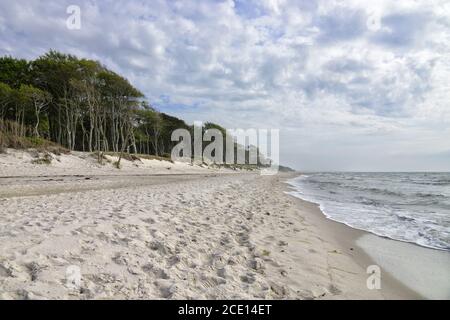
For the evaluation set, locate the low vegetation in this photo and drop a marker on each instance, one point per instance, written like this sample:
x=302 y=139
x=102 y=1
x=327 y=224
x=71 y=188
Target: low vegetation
x=45 y=159
x=11 y=137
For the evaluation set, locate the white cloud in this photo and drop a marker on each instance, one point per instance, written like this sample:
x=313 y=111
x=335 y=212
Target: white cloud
x=340 y=89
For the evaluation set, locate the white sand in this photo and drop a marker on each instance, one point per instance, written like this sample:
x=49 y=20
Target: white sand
x=20 y=163
x=189 y=236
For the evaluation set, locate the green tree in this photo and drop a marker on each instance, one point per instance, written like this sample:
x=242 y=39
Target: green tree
x=36 y=100
x=6 y=99
x=14 y=72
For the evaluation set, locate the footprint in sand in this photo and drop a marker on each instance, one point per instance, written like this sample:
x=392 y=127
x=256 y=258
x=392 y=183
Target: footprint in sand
x=155 y=271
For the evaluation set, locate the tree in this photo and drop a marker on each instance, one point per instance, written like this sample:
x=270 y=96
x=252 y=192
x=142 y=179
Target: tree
x=82 y=105
x=150 y=122
x=14 y=72
x=121 y=100
x=170 y=123
x=53 y=72
x=6 y=99
x=36 y=99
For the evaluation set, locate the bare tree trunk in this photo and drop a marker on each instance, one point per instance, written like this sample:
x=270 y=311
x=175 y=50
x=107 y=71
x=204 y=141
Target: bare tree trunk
x=37 y=111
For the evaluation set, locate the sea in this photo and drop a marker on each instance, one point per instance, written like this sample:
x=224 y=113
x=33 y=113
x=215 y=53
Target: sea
x=410 y=207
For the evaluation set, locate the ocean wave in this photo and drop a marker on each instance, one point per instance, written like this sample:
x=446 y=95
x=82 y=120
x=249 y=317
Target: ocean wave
x=443 y=182
x=383 y=191
x=404 y=218
x=368 y=202
x=332 y=183
x=380 y=191
x=429 y=195
x=404 y=213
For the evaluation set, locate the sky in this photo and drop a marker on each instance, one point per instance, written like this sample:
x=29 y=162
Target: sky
x=351 y=85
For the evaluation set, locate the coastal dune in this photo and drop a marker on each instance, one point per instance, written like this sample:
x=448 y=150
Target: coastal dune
x=237 y=236
x=34 y=163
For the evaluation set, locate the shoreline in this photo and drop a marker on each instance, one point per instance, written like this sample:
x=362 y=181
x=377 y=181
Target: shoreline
x=205 y=236
x=347 y=238
x=368 y=244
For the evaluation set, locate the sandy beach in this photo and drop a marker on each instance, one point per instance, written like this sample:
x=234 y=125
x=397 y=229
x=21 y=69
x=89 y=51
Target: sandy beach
x=225 y=150
x=199 y=234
